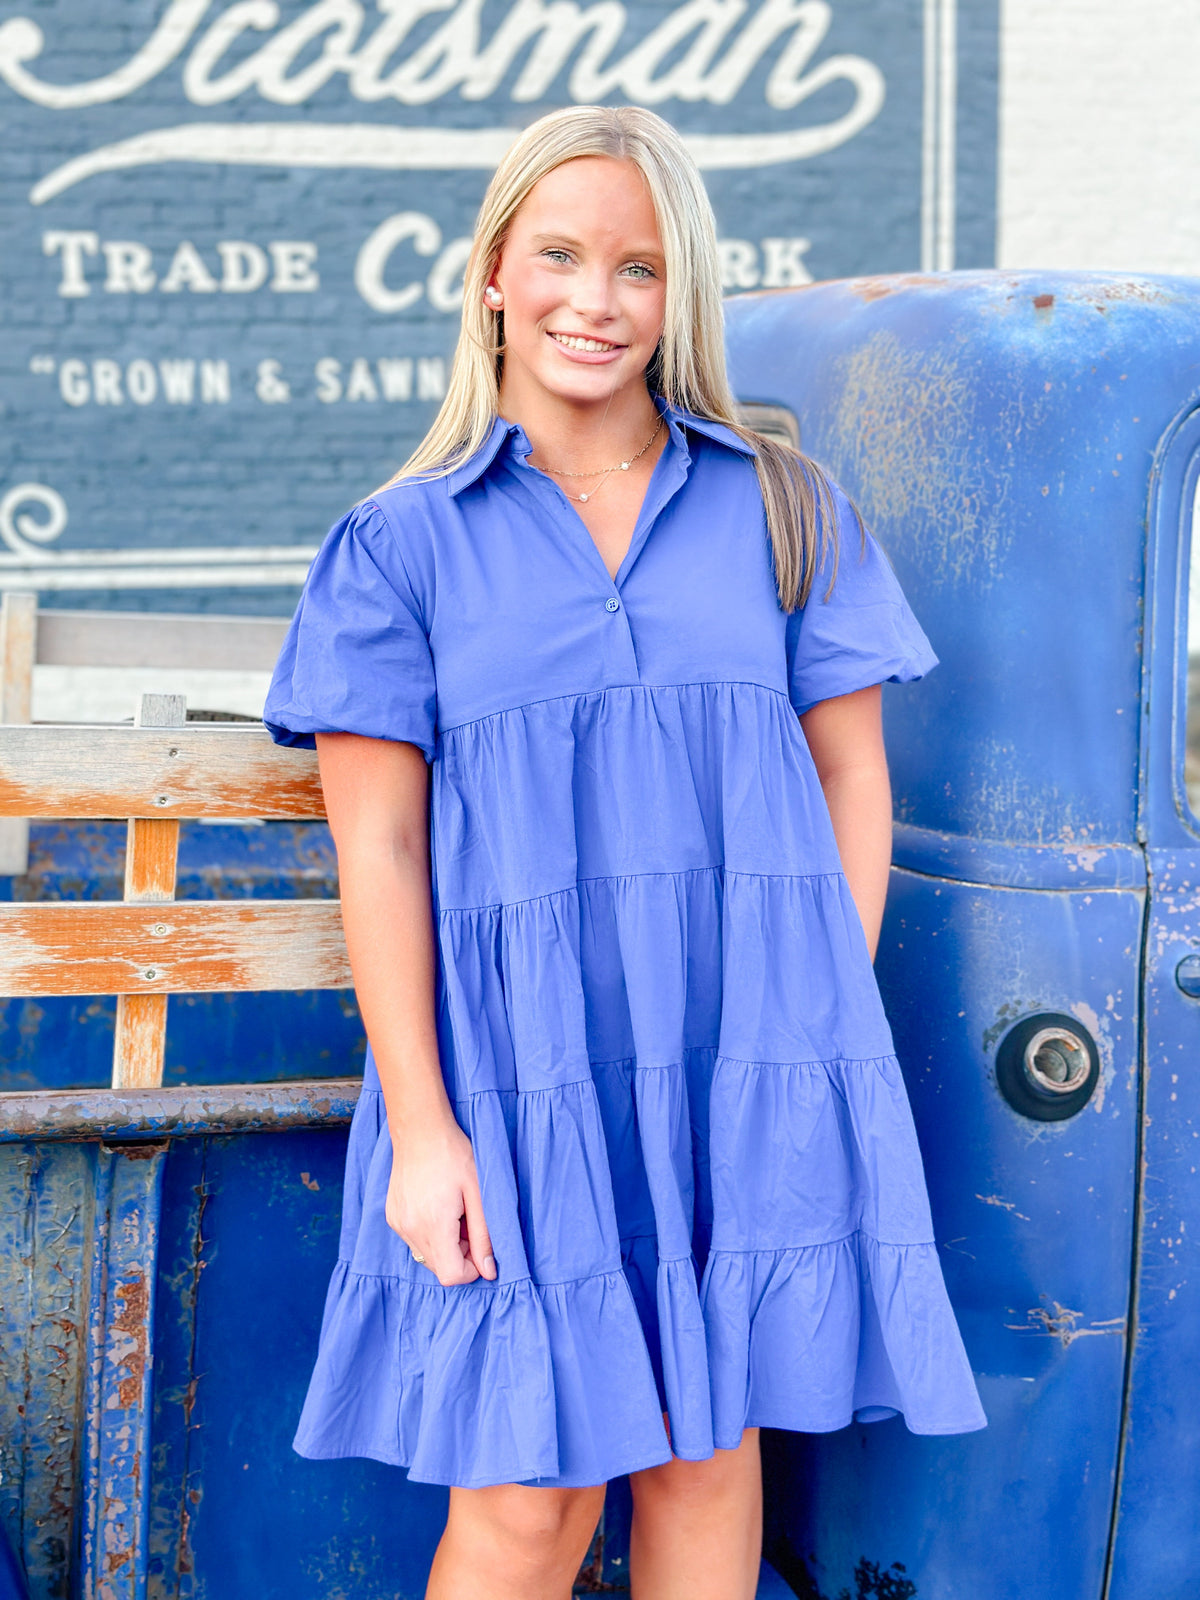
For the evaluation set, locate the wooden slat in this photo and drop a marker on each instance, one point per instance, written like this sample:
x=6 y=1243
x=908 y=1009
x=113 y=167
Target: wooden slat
x=200 y=770
x=14 y=846
x=187 y=947
x=153 y=639
x=151 y=853
x=151 y=858
x=140 y=1041
x=18 y=644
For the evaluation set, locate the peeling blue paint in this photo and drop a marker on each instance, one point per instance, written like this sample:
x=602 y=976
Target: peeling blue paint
x=115 y=1486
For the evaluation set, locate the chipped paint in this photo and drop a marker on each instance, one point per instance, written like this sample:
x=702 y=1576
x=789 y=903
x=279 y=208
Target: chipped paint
x=1006 y=1205
x=1007 y=1015
x=1100 y=1029
x=184 y=1559
x=1103 y=292
x=115 y=1489
x=1059 y=1322
x=129 y=1335
x=1086 y=858
x=1014 y=798
x=900 y=435
x=45 y=1220
x=878 y=287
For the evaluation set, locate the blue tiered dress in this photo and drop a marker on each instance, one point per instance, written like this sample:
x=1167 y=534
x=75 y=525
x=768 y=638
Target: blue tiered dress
x=657 y=1015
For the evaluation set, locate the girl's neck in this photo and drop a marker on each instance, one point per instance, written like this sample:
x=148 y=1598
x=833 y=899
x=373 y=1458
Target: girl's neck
x=573 y=436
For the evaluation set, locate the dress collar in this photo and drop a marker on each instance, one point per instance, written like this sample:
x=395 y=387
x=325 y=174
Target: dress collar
x=679 y=419
x=503 y=432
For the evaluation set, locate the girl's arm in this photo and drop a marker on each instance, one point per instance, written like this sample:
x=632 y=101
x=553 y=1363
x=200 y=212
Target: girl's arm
x=377 y=800
x=845 y=736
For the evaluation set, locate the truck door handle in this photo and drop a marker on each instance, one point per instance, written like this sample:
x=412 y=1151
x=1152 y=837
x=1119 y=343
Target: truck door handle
x=1187 y=976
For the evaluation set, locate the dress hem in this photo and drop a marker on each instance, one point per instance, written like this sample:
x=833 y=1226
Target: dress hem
x=656 y=1458
x=567 y=1481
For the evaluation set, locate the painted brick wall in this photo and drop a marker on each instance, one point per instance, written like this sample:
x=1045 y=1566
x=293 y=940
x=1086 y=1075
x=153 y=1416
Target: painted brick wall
x=220 y=354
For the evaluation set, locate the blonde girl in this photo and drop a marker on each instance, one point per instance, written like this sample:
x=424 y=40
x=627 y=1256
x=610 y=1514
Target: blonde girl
x=594 y=682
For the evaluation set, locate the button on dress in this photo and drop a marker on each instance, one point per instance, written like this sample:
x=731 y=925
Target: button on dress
x=657 y=1016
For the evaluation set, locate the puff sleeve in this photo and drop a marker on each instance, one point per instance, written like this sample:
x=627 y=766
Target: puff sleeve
x=356 y=657
x=864 y=633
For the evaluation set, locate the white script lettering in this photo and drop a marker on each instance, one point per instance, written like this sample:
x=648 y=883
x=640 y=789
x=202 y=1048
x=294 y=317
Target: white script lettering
x=713 y=66
x=444 y=283
x=702 y=51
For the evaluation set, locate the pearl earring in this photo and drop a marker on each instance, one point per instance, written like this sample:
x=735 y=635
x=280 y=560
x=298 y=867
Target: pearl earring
x=493 y=296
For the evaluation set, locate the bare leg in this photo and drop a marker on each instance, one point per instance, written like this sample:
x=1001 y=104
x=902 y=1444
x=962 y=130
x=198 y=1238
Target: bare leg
x=697 y=1526
x=514 y=1541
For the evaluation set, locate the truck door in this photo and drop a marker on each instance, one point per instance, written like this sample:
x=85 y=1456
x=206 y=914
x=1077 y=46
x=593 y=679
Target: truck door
x=1156 y=1550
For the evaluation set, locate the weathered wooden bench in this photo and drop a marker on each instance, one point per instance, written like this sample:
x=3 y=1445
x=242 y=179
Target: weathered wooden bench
x=143 y=949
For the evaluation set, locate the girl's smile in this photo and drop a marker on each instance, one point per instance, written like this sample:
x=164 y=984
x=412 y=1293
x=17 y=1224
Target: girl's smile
x=584 y=345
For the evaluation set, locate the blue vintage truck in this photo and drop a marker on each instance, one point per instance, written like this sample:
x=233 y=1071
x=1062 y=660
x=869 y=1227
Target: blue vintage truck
x=1027 y=448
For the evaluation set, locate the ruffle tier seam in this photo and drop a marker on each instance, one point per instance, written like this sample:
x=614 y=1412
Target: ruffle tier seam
x=889 y=1059
x=616 y=688
x=618 y=877
x=351 y=1271
x=828 y=1244
x=429 y=1288
x=678 y=1066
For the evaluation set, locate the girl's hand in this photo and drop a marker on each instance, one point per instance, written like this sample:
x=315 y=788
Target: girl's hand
x=434 y=1204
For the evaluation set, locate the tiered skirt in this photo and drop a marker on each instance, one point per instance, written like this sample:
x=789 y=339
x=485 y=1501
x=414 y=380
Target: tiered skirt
x=659 y=1025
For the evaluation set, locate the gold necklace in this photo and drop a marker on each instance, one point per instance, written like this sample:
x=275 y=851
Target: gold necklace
x=604 y=474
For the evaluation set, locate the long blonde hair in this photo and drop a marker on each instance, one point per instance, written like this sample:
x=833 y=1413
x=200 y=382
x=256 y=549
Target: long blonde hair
x=688 y=367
